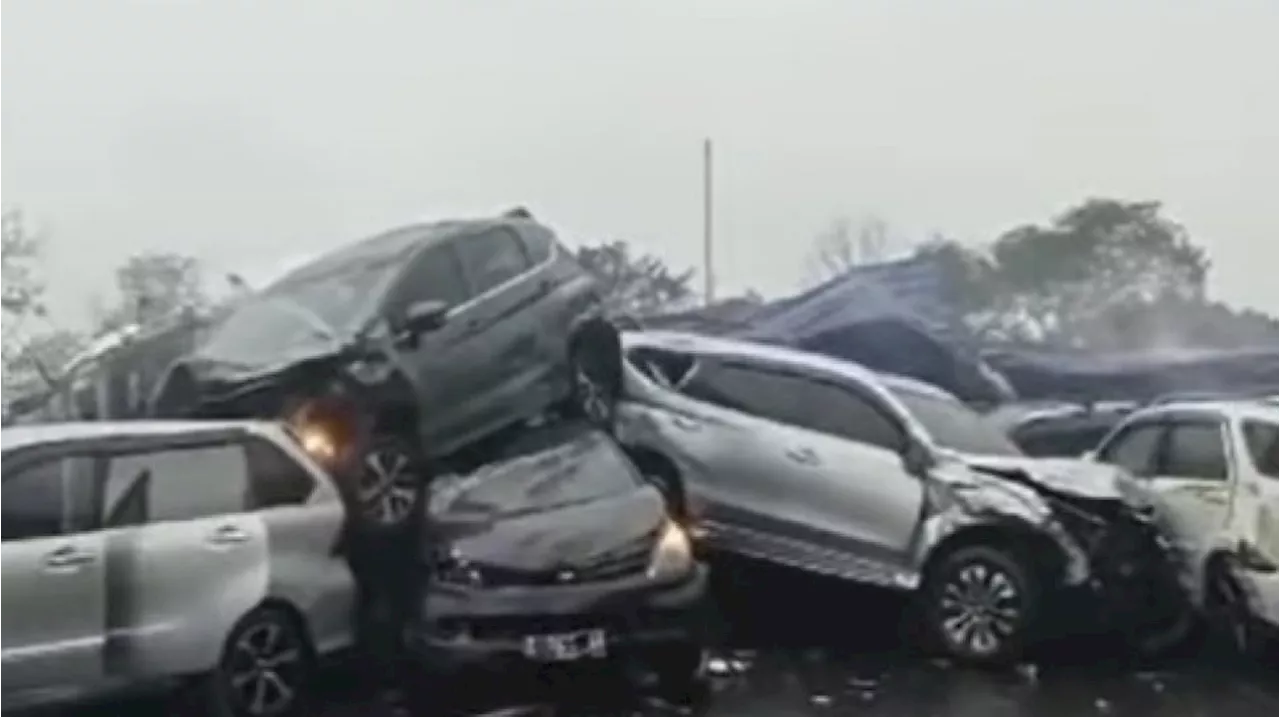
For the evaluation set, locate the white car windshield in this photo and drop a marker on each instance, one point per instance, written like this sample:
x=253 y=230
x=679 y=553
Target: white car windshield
x=954 y=425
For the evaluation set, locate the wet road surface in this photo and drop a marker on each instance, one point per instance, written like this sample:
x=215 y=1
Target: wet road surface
x=798 y=646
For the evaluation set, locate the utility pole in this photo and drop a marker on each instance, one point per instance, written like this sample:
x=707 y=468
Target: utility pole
x=708 y=257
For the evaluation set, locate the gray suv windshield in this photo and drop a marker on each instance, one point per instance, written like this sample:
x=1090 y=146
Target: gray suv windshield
x=300 y=316
x=953 y=425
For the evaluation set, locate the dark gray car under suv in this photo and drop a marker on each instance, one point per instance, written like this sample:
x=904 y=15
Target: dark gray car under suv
x=408 y=347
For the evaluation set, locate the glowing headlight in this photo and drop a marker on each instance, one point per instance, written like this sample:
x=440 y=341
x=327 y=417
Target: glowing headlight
x=672 y=555
x=317 y=442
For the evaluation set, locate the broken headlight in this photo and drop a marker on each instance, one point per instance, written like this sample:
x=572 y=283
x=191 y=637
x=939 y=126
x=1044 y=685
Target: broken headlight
x=456 y=570
x=672 y=555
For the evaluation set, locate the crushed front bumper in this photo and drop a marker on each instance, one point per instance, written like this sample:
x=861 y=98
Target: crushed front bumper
x=476 y=627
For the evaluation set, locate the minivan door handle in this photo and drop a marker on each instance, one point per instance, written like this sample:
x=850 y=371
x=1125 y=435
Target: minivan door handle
x=225 y=535
x=67 y=558
x=803 y=456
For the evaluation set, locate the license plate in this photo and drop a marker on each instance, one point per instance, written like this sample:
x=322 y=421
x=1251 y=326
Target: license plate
x=565 y=647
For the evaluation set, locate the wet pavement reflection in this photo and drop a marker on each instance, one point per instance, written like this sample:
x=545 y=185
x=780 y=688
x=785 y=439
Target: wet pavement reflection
x=797 y=646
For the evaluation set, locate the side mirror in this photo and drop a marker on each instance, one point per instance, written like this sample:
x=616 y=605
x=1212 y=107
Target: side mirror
x=1089 y=455
x=1252 y=559
x=423 y=316
x=917 y=459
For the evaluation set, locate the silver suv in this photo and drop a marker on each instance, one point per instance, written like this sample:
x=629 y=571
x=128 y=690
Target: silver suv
x=136 y=553
x=820 y=464
x=410 y=345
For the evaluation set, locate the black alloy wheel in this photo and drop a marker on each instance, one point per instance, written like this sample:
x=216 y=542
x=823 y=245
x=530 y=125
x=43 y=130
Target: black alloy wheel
x=979 y=605
x=266 y=669
x=389 y=485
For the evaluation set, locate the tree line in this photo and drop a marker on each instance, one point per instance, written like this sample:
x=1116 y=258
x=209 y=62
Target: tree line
x=1105 y=274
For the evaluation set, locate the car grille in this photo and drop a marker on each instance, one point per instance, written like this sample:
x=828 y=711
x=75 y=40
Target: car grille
x=516 y=626
x=630 y=560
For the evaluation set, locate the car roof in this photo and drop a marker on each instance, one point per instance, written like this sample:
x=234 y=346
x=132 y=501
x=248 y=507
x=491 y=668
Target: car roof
x=697 y=343
x=1264 y=409
x=18 y=437
x=391 y=245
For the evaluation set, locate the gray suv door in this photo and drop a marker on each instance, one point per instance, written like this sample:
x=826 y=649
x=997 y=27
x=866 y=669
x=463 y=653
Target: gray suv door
x=54 y=568
x=506 y=292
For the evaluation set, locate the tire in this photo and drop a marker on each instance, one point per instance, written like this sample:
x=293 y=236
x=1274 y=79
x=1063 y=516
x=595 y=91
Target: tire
x=980 y=605
x=266 y=649
x=595 y=382
x=1230 y=622
x=389 y=485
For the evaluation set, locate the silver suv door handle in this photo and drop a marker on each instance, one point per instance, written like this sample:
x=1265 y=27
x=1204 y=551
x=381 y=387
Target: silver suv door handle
x=228 y=535
x=67 y=557
x=804 y=456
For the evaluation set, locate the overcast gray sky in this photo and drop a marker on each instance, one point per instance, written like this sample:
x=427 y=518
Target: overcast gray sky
x=251 y=133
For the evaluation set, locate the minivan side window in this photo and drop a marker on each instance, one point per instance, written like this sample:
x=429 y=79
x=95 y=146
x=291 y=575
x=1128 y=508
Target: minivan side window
x=275 y=478
x=491 y=258
x=1134 y=449
x=46 y=499
x=169 y=484
x=1195 y=449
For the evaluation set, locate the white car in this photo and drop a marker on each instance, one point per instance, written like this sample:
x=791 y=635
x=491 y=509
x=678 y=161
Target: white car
x=1211 y=466
x=137 y=553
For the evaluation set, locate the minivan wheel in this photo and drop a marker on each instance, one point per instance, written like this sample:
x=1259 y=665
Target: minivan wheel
x=389 y=484
x=979 y=605
x=266 y=668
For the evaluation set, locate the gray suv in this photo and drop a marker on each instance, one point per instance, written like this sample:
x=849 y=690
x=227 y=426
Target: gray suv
x=409 y=347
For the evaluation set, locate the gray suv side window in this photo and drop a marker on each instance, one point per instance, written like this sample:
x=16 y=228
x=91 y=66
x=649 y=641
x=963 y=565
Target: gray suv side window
x=491 y=258
x=175 y=484
x=47 y=499
x=433 y=275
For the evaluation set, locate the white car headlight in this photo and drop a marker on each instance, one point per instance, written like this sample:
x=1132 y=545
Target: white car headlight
x=672 y=555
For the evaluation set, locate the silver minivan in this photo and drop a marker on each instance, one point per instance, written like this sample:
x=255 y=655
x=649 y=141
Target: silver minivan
x=137 y=553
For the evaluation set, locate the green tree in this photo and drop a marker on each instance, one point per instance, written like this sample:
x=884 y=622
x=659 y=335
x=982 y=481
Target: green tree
x=153 y=286
x=635 y=285
x=1066 y=282
x=45 y=354
x=23 y=288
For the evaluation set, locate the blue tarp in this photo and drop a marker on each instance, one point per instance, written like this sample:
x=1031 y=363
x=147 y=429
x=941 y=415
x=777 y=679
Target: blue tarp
x=891 y=317
x=1080 y=376
x=898 y=318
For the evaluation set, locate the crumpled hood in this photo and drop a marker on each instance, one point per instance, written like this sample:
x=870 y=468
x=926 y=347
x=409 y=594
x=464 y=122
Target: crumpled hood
x=478 y=519
x=1071 y=476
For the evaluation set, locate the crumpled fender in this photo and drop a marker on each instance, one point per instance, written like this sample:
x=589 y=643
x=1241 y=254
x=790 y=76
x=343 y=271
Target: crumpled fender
x=958 y=498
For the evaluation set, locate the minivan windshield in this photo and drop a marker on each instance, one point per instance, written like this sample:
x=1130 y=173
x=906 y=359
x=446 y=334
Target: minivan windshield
x=953 y=425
